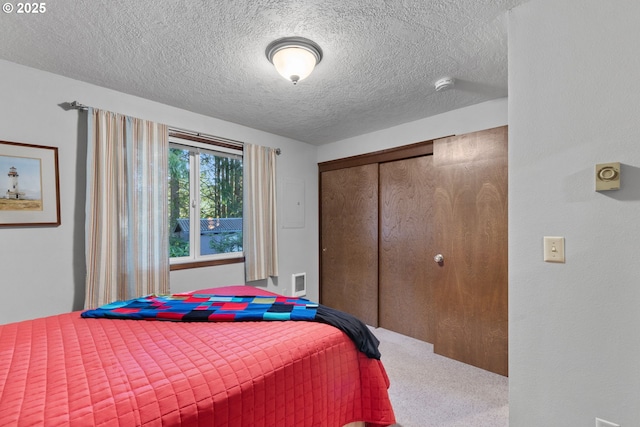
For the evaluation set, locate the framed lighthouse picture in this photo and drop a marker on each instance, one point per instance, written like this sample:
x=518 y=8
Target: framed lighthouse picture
x=29 y=185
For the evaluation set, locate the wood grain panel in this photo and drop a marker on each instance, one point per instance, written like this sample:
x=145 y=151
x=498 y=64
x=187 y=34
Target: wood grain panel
x=406 y=241
x=349 y=241
x=418 y=149
x=471 y=216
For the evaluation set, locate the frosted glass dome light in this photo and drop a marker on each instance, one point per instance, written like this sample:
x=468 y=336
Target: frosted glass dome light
x=294 y=57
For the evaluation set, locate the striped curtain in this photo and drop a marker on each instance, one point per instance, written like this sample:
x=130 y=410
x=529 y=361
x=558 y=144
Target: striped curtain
x=260 y=229
x=127 y=252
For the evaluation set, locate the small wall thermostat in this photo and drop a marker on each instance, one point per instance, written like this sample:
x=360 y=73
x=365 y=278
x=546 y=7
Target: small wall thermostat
x=608 y=176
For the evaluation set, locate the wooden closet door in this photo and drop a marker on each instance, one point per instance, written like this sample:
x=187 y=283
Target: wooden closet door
x=406 y=278
x=471 y=233
x=349 y=241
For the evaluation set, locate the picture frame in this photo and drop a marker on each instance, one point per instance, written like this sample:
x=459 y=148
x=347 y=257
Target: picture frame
x=29 y=185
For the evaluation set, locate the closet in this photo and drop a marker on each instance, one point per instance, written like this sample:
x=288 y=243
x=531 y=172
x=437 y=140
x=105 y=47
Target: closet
x=385 y=216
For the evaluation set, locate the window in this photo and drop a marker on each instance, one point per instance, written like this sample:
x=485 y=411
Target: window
x=205 y=199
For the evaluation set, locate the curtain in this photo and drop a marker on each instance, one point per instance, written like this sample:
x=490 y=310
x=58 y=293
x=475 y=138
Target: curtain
x=260 y=229
x=127 y=252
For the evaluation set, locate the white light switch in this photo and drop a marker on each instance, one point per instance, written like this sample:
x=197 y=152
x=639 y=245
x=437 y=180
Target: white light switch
x=553 y=249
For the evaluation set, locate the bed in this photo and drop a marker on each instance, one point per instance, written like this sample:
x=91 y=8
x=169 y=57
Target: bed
x=69 y=370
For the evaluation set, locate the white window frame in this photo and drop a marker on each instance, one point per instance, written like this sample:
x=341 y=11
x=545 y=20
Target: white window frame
x=195 y=148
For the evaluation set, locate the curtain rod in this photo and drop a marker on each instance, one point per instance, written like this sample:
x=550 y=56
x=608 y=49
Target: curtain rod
x=78 y=106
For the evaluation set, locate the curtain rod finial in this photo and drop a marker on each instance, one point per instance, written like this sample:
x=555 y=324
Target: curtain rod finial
x=77 y=106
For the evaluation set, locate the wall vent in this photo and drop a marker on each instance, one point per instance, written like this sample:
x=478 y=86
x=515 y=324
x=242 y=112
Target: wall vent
x=299 y=284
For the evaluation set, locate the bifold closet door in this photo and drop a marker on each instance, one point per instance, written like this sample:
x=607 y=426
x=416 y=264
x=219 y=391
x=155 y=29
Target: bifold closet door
x=407 y=274
x=349 y=241
x=471 y=296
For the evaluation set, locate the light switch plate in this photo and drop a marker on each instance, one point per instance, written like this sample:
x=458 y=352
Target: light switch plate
x=553 y=249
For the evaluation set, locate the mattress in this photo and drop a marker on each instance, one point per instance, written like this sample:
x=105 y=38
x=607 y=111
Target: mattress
x=67 y=370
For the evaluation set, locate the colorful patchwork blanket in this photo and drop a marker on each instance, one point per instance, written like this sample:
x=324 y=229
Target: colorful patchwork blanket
x=208 y=308
x=224 y=308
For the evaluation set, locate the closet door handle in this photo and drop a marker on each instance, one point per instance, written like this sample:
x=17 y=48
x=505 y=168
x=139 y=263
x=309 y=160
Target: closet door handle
x=438 y=258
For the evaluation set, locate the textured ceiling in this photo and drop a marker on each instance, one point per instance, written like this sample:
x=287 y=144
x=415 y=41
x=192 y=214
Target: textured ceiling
x=381 y=58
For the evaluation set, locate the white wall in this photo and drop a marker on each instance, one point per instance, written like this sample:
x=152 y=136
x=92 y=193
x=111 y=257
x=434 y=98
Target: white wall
x=574 y=101
x=42 y=270
x=482 y=116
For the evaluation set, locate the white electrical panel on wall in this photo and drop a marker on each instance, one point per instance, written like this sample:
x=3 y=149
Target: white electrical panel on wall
x=293 y=203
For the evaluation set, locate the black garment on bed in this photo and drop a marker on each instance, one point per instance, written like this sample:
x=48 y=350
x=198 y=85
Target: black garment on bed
x=359 y=333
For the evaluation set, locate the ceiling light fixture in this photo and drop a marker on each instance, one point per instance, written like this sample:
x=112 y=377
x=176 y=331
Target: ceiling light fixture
x=294 y=57
x=444 y=83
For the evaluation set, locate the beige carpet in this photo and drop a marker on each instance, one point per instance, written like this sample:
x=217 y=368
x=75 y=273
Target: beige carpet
x=430 y=390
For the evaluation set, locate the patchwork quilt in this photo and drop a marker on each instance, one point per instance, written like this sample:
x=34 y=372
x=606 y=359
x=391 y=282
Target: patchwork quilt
x=200 y=307
x=208 y=308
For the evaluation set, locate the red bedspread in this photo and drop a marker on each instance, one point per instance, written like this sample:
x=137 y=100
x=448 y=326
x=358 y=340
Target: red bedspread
x=66 y=370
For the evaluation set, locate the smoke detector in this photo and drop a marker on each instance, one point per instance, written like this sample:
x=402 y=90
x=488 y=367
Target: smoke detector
x=444 y=83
